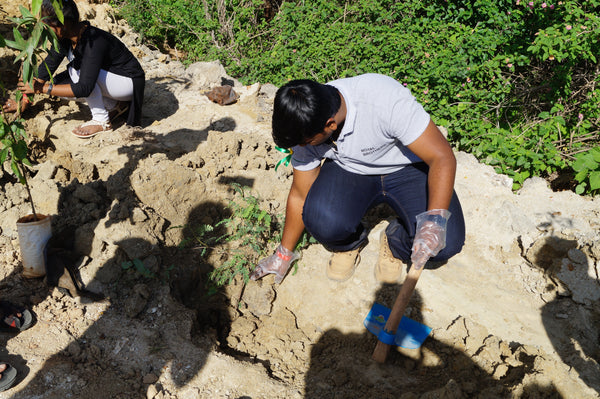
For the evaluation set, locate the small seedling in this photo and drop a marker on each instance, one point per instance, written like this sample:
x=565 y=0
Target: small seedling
x=139 y=267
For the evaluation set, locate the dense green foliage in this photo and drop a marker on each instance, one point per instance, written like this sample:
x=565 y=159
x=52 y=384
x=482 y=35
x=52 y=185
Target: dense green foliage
x=515 y=82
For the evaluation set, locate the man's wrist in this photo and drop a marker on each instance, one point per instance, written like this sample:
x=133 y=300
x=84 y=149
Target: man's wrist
x=281 y=256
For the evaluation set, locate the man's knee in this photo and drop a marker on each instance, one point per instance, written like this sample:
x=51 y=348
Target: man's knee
x=453 y=247
x=326 y=227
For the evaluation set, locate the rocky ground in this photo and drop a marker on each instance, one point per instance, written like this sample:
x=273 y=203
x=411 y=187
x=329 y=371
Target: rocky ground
x=514 y=315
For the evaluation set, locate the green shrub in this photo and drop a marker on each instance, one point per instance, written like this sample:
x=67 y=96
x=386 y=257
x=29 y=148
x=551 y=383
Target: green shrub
x=251 y=233
x=515 y=82
x=587 y=167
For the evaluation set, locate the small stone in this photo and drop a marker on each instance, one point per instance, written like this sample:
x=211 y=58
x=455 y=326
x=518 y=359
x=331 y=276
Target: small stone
x=150 y=378
x=57 y=293
x=61 y=176
x=46 y=171
x=577 y=256
x=500 y=371
x=87 y=194
x=151 y=392
x=138 y=215
x=75 y=313
x=74 y=349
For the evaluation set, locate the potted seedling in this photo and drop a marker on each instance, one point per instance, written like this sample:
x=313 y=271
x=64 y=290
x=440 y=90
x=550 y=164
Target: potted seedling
x=34 y=230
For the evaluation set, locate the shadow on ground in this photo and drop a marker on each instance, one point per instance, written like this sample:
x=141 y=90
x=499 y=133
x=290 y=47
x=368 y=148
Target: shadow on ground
x=341 y=366
x=571 y=326
x=131 y=344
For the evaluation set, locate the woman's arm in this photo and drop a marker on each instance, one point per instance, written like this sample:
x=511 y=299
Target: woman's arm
x=93 y=49
x=42 y=87
x=50 y=63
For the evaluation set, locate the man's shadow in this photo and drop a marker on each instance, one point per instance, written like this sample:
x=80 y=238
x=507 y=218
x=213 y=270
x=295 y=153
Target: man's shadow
x=341 y=366
x=142 y=295
x=111 y=201
x=571 y=326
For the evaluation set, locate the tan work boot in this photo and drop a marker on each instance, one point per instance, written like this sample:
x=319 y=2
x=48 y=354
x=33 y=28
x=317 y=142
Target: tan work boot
x=389 y=269
x=341 y=265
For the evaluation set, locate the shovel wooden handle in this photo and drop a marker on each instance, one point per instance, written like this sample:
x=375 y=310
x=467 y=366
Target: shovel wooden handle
x=381 y=350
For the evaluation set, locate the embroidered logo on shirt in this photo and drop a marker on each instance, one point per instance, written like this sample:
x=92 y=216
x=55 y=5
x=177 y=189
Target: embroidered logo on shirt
x=370 y=150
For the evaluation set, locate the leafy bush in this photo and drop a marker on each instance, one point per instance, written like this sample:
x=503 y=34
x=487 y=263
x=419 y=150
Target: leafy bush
x=515 y=82
x=587 y=166
x=251 y=234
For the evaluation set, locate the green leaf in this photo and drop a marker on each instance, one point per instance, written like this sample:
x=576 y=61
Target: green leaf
x=19 y=43
x=579 y=164
x=37 y=34
x=582 y=175
x=544 y=115
x=58 y=10
x=3 y=155
x=590 y=163
x=595 y=180
x=30 y=49
x=25 y=13
x=20 y=150
x=27 y=72
x=17 y=171
x=262 y=215
x=22 y=55
x=36 y=6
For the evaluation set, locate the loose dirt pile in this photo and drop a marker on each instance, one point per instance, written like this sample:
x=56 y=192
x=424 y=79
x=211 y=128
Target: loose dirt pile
x=514 y=315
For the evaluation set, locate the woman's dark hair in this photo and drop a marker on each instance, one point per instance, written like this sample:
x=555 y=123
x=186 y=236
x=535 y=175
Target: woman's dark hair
x=301 y=110
x=69 y=10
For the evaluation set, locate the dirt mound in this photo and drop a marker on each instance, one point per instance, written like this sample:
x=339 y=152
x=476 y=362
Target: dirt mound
x=513 y=315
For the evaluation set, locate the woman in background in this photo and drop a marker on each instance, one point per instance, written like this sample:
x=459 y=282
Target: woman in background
x=101 y=70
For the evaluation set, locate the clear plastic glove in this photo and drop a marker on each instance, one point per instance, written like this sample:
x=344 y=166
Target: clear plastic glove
x=431 y=235
x=277 y=264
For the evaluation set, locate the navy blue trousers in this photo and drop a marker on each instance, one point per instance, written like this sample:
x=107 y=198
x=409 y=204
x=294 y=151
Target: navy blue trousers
x=338 y=200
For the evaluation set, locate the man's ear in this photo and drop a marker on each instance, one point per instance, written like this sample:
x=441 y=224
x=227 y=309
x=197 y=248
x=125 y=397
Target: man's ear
x=331 y=124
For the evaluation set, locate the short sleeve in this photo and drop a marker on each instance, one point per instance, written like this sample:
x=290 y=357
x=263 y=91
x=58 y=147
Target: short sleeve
x=307 y=157
x=408 y=119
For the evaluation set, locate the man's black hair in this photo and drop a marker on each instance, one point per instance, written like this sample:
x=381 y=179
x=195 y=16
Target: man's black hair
x=69 y=9
x=301 y=110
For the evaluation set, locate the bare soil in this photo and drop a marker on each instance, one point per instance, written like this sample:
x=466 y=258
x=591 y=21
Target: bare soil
x=515 y=315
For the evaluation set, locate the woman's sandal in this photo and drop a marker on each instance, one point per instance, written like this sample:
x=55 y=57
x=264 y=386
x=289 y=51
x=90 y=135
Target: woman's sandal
x=93 y=128
x=7 y=376
x=14 y=318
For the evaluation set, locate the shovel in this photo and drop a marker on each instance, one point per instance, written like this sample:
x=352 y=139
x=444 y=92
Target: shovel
x=397 y=330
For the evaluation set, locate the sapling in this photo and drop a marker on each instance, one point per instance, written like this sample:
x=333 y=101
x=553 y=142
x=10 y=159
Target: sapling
x=31 y=45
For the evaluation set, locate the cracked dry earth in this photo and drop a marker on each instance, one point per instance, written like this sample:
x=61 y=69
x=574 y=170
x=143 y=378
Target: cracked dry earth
x=515 y=315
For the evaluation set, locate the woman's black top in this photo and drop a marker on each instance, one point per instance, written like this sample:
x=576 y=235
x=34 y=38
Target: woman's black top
x=95 y=50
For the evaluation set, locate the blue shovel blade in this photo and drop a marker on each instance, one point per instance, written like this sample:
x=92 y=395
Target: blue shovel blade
x=410 y=333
